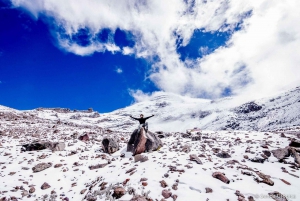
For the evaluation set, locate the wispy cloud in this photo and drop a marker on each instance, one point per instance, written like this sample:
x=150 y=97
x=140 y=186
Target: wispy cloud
x=259 y=58
x=119 y=70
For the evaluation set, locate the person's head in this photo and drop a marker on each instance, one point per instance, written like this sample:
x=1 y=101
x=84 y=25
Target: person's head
x=141 y=115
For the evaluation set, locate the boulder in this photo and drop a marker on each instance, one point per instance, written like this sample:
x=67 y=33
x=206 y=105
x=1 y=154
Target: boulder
x=36 y=146
x=295 y=143
x=110 y=145
x=142 y=141
x=281 y=153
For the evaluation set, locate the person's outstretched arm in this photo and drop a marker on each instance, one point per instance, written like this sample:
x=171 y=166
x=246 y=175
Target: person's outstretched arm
x=149 y=116
x=134 y=117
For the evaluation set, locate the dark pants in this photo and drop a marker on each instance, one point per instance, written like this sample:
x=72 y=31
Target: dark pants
x=145 y=125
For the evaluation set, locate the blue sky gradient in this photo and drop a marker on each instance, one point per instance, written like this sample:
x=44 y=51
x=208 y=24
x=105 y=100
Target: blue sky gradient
x=107 y=54
x=35 y=73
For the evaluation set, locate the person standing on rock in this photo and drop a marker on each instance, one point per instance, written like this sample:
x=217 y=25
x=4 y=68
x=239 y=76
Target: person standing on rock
x=142 y=121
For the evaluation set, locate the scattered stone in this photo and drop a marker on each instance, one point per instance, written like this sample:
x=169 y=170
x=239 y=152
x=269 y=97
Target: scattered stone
x=186 y=148
x=140 y=158
x=45 y=186
x=84 y=137
x=130 y=170
x=208 y=190
x=118 y=192
x=223 y=155
x=57 y=165
x=286 y=182
x=163 y=184
x=166 y=193
x=277 y=196
x=32 y=190
x=258 y=160
x=174 y=197
x=83 y=191
x=221 y=176
x=41 y=166
x=193 y=157
x=92 y=167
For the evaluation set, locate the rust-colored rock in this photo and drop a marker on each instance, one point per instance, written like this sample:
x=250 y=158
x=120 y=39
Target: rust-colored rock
x=221 y=176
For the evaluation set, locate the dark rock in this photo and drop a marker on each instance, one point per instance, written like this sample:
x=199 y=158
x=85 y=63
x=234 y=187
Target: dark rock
x=57 y=165
x=196 y=138
x=118 y=192
x=248 y=107
x=281 y=153
x=92 y=167
x=258 y=160
x=208 y=190
x=140 y=158
x=41 y=166
x=83 y=191
x=84 y=137
x=265 y=179
x=215 y=150
x=223 y=155
x=110 y=145
x=141 y=141
x=294 y=143
x=267 y=153
x=163 y=184
x=277 y=196
x=45 y=186
x=166 y=194
x=32 y=190
x=174 y=197
x=221 y=176
x=193 y=157
x=186 y=148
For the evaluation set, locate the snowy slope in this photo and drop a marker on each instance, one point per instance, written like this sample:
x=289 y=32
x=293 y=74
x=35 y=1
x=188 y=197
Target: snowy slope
x=70 y=177
x=176 y=113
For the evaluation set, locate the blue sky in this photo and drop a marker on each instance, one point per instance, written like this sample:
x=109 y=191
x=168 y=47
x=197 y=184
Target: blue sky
x=108 y=54
x=36 y=73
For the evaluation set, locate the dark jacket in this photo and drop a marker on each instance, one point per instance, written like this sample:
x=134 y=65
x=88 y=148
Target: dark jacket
x=142 y=120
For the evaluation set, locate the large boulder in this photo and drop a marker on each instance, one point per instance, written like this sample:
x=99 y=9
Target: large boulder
x=142 y=141
x=35 y=146
x=281 y=153
x=110 y=145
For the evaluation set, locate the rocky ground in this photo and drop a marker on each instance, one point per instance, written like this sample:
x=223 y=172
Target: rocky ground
x=206 y=165
x=72 y=162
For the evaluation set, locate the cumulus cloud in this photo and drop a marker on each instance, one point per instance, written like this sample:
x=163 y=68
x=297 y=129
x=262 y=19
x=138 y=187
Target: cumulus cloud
x=260 y=58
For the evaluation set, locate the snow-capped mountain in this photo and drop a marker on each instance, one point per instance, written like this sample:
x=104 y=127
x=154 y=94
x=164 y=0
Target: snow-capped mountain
x=178 y=113
x=173 y=112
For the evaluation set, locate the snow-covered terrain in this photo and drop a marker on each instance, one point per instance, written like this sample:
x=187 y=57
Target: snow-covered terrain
x=235 y=139
x=176 y=113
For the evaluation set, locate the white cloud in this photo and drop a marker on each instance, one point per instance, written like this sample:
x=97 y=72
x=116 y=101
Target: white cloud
x=119 y=70
x=259 y=59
